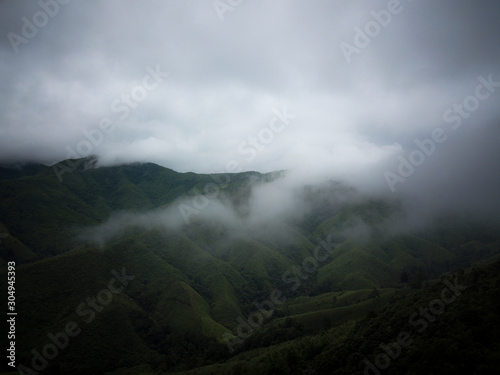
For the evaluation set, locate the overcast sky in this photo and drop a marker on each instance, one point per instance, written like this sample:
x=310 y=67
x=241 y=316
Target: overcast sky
x=333 y=86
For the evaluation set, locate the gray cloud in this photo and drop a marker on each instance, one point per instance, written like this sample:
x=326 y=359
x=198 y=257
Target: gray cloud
x=352 y=121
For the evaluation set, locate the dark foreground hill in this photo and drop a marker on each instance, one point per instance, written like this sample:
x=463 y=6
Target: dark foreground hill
x=140 y=267
x=450 y=326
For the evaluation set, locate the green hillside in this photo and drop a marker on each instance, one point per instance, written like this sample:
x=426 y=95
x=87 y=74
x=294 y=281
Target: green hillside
x=463 y=338
x=194 y=284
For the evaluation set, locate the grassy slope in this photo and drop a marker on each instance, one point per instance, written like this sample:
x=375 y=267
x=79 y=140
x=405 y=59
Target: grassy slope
x=198 y=280
x=11 y=249
x=159 y=298
x=463 y=339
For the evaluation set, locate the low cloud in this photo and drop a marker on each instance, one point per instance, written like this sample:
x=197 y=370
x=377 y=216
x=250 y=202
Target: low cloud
x=261 y=208
x=352 y=121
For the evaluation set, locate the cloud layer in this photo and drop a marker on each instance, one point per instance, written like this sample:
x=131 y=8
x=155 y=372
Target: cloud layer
x=195 y=88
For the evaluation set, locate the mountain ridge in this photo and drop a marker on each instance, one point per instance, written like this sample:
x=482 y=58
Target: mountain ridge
x=196 y=281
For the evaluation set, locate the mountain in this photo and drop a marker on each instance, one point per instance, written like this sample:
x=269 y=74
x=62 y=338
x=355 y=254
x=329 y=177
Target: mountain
x=417 y=332
x=138 y=265
x=16 y=170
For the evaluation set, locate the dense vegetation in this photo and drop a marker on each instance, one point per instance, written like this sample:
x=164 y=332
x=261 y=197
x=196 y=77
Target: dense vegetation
x=340 y=282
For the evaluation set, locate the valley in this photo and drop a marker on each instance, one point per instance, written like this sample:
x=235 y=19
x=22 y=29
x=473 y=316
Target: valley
x=108 y=270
